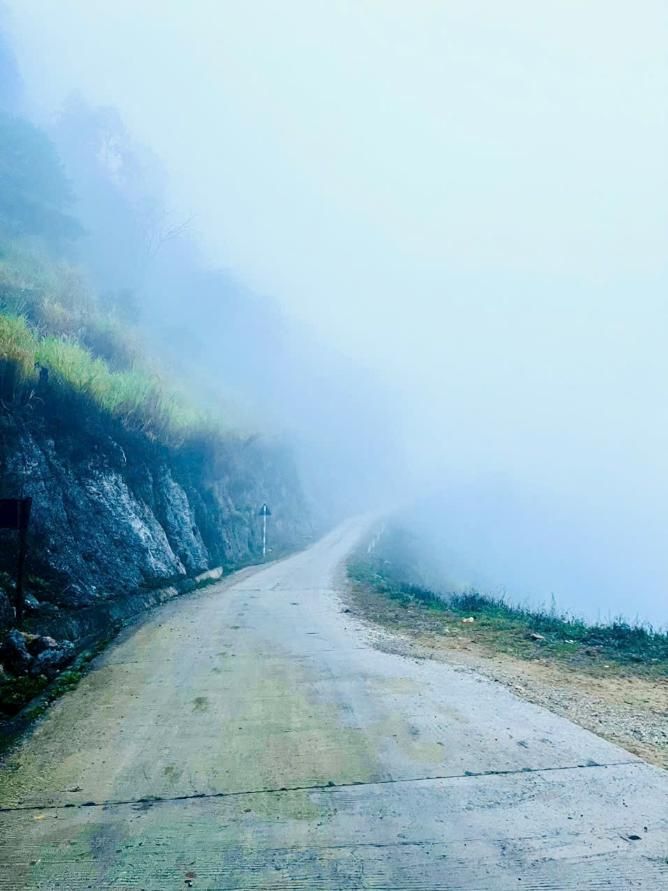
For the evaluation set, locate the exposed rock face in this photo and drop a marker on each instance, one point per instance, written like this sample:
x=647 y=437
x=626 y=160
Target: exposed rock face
x=115 y=513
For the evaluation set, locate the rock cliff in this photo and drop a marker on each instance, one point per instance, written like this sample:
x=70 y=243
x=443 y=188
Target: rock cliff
x=117 y=517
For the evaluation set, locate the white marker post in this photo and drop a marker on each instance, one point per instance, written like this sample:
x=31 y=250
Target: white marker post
x=264 y=513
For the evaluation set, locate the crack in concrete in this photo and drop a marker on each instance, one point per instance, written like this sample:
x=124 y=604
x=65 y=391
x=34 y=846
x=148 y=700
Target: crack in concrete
x=326 y=787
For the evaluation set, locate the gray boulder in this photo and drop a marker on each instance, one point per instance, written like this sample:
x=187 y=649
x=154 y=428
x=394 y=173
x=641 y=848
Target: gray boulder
x=14 y=654
x=32 y=604
x=39 y=643
x=50 y=661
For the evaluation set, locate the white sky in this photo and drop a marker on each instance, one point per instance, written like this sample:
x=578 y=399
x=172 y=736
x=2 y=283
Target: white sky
x=470 y=196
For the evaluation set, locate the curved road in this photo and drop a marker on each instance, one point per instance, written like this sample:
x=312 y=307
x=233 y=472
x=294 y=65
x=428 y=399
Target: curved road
x=251 y=737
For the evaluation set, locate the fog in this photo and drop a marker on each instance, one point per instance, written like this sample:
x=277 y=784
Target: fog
x=427 y=241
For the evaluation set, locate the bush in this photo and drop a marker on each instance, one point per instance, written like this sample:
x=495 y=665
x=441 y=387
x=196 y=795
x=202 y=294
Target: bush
x=17 y=356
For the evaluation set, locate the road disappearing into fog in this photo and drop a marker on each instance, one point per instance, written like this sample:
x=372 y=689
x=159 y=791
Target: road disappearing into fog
x=252 y=737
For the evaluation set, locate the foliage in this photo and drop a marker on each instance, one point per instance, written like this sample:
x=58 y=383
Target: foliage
x=51 y=321
x=17 y=356
x=34 y=193
x=56 y=299
x=137 y=397
x=16 y=692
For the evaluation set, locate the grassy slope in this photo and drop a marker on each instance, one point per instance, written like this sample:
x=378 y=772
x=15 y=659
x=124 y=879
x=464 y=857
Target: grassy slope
x=521 y=633
x=50 y=320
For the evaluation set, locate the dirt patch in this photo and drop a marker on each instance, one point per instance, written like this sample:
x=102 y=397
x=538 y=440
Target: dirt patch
x=200 y=704
x=614 y=702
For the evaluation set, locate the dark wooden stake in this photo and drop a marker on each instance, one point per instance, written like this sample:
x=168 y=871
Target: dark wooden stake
x=15 y=514
x=20 y=605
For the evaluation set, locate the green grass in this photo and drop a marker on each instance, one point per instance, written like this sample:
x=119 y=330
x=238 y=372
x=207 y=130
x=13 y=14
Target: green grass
x=55 y=299
x=52 y=295
x=67 y=680
x=17 y=354
x=16 y=692
x=137 y=397
x=512 y=629
x=49 y=317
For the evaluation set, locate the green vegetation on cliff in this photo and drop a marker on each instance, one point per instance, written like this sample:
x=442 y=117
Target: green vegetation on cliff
x=133 y=394
x=52 y=328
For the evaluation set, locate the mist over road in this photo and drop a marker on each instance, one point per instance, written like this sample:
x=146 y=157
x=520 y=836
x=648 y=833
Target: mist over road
x=253 y=737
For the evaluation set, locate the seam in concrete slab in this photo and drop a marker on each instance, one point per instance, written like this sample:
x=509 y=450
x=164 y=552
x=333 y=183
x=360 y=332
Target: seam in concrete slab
x=328 y=787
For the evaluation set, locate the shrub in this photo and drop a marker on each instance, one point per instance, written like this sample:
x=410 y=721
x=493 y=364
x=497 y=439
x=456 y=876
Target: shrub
x=17 y=356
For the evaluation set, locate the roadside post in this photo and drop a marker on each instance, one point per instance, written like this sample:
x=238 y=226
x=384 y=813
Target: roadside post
x=15 y=514
x=264 y=512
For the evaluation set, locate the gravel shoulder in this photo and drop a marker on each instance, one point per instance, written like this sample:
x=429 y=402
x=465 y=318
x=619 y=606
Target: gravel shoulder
x=610 y=700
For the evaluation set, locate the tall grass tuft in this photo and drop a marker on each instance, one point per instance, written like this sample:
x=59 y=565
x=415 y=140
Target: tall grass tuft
x=17 y=356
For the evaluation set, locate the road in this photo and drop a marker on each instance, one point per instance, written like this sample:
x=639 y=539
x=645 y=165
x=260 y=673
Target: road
x=251 y=736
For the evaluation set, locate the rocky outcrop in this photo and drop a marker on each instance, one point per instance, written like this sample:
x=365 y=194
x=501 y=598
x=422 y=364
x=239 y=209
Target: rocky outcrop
x=34 y=654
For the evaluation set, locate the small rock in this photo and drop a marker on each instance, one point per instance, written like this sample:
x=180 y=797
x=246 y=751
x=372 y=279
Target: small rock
x=32 y=604
x=50 y=661
x=468 y=620
x=41 y=642
x=14 y=653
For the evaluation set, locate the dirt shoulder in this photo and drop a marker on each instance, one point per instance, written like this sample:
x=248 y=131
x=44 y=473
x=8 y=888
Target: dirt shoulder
x=617 y=702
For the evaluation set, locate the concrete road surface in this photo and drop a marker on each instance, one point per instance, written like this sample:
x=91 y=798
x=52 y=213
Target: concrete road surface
x=251 y=737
